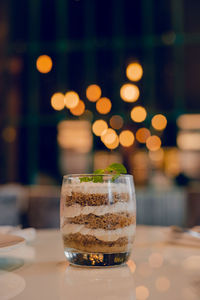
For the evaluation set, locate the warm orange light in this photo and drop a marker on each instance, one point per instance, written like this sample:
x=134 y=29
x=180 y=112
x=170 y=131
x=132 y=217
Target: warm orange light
x=189 y=140
x=129 y=92
x=142 y=292
x=71 y=99
x=93 y=92
x=103 y=105
x=79 y=109
x=116 y=122
x=99 y=126
x=134 y=71
x=142 y=135
x=126 y=138
x=57 y=101
x=113 y=145
x=159 y=122
x=138 y=114
x=44 y=64
x=156 y=260
x=132 y=266
x=153 y=143
x=75 y=135
x=162 y=284
x=108 y=136
x=157 y=155
x=9 y=134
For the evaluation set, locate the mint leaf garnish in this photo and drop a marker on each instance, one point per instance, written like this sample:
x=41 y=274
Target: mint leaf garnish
x=99 y=171
x=85 y=179
x=115 y=177
x=98 y=178
x=114 y=168
x=118 y=168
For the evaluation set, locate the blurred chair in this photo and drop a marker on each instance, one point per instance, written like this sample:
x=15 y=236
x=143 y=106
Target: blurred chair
x=161 y=207
x=13 y=200
x=43 y=208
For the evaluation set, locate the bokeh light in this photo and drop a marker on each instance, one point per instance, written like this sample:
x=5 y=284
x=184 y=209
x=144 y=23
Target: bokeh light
x=188 y=140
x=57 y=101
x=153 y=143
x=159 y=122
x=93 y=92
x=99 y=126
x=71 y=99
x=162 y=284
x=9 y=134
x=142 y=292
x=44 y=64
x=103 y=105
x=157 y=155
x=126 y=138
x=108 y=136
x=116 y=122
x=129 y=92
x=189 y=121
x=132 y=266
x=156 y=260
x=79 y=109
x=138 y=114
x=113 y=145
x=142 y=135
x=134 y=71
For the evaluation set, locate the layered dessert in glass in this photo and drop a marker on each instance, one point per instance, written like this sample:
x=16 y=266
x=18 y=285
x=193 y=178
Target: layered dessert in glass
x=98 y=220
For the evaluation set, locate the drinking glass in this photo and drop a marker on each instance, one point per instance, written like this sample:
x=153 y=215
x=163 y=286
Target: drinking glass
x=97 y=219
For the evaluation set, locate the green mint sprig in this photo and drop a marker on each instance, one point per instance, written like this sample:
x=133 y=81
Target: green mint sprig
x=115 y=169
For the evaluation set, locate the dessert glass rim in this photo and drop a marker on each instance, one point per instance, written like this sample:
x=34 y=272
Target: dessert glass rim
x=93 y=175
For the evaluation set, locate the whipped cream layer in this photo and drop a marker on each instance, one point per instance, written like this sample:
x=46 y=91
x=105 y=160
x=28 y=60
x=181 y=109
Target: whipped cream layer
x=76 y=209
x=100 y=234
x=97 y=188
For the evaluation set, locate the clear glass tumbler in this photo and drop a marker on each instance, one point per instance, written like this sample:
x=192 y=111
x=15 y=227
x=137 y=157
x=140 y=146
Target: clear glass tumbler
x=97 y=219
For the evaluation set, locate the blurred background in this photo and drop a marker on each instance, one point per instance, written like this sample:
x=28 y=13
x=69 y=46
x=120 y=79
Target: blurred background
x=87 y=83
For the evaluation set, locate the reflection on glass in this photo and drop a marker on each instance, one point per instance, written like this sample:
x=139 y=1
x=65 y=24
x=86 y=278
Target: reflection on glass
x=99 y=284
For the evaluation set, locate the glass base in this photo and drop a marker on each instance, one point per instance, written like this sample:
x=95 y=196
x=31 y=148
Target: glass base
x=96 y=259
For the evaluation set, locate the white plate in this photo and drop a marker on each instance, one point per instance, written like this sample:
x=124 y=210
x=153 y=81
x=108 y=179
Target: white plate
x=9 y=242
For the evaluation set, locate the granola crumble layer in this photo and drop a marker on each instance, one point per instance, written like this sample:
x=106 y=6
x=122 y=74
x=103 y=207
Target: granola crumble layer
x=107 y=221
x=84 y=199
x=88 y=243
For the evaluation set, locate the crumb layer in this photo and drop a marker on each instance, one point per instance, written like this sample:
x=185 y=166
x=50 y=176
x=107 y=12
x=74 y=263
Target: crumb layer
x=91 y=244
x=84 y=199
x=107 y=221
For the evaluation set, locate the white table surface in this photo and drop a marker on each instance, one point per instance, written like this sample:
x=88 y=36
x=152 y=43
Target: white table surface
x=156 y=270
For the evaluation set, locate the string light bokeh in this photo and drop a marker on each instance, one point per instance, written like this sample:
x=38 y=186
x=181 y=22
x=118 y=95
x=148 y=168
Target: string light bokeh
x=103 y=105
x=79 y=109
x=129 y=92
x=126 y=138
x=57 y=101
x=93 y=92
x=134 y=71
x=159 y=122
x=71 y=99
x=138 y=114
x=99 y=126
x=44 y=64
